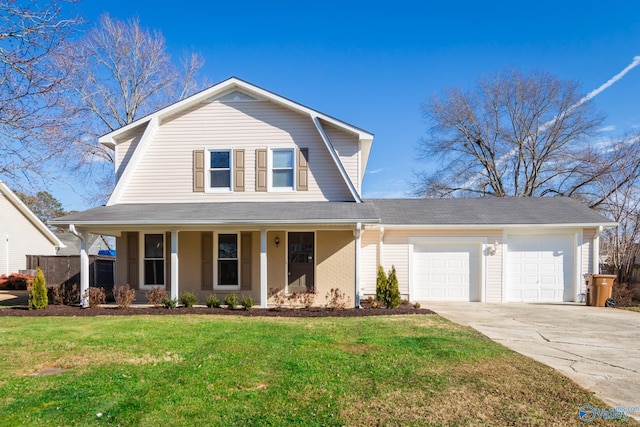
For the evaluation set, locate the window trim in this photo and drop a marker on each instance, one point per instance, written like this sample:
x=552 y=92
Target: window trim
x=270 y=170
x=208 y=169
x=141 y=249
x=217 y=286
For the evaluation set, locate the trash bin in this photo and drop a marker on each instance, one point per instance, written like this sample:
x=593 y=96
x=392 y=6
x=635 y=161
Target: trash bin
x=588 y=280
x=599 y=288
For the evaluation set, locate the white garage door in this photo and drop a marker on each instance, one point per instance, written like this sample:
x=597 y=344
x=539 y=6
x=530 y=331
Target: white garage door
x=540 y=268
x=446 y=272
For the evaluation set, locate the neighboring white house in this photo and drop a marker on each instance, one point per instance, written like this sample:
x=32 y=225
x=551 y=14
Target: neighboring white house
x=237 y=189
x=21 y=233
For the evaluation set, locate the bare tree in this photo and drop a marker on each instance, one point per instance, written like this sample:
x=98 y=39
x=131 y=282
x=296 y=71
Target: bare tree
x=615 y=192
x=512 y=135
x=121 y=72
x=33 y=35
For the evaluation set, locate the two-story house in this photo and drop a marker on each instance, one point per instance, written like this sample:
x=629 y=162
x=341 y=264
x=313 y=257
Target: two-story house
x=237 y=189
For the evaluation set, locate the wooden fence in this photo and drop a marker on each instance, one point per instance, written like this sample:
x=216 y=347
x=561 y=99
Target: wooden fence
x=66 y=269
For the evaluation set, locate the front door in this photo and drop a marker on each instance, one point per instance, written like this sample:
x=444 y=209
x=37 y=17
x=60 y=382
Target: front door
x=301 y=262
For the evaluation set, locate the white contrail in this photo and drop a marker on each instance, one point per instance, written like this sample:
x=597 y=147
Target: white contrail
x=586 y=98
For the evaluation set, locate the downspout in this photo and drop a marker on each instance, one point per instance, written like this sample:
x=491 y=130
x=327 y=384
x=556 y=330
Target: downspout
x=7 y=255
x=84 y=267
x=358 y=233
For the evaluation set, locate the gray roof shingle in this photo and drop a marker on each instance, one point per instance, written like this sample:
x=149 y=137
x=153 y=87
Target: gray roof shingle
x=437 y=212
x=227 y=213
x=487 y=211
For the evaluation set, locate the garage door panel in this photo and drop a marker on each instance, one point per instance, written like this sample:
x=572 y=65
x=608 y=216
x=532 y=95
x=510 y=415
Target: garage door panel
x=446 y=272
x=540 y=268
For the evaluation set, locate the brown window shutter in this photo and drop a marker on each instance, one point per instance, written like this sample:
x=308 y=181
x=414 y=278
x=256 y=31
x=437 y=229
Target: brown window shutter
x=207 y=261
x=238 y=170
x=198 y=171
x=261 y=169
x=133 y=276
x=303 y=169
x=245 y=261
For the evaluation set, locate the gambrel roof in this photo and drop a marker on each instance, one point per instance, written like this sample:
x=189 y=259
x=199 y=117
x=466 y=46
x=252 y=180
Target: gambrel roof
x=230 y=87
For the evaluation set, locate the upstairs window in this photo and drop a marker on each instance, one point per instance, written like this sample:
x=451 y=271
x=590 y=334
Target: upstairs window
x=282 y=169
x=219 y=170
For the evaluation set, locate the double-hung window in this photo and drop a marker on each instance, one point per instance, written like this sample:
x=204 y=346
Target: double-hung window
x=153 y=260
x=282 y=169
x=219 y=170
x=227 y=251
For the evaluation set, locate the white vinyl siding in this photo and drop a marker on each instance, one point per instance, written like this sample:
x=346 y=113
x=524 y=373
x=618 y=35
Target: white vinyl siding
x=346 y=146
x=395 y=251
x=23 y=239
x=164 y=173
x=124 y=149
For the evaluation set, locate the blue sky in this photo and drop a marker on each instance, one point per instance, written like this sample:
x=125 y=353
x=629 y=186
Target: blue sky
x=373 y=63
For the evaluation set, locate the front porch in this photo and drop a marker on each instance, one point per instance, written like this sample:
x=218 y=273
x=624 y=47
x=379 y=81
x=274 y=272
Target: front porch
x=246 y=262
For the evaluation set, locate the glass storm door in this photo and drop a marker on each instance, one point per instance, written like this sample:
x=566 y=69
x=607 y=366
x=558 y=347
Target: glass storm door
x=301 y=262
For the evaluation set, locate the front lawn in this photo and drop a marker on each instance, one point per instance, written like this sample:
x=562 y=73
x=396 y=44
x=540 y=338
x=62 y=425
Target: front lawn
x=215 y=370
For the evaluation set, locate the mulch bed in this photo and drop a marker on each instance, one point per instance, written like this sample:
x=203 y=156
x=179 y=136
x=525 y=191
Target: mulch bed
x=76 y=311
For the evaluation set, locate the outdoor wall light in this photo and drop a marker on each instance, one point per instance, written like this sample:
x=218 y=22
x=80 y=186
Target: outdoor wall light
x=493 y=248
x=277 y=241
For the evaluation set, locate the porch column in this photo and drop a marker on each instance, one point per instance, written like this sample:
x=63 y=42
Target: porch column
x=174 y=264
x=263 y=268
x=358 y=233
x=84 y=270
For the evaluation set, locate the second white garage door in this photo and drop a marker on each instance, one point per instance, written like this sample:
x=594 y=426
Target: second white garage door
x=446 y=272
x=540 y=268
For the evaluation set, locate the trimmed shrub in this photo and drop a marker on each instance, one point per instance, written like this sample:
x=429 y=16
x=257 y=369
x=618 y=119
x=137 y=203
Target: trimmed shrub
x=155 y=296
x=188 y=299
x=168 y=302
x=124 y=296
x=64 y=294
x=247 y=302
x=16 y=282
x=231 y=301
x=38 y=299
x=213 y=301
x=336 y=299
x=97 y=296
x=622 y=295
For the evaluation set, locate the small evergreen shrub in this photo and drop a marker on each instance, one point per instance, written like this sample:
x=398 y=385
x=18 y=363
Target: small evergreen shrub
x=247 y=302
x=168 y=302
x=96 y=296
x=213 y=301
x=124 y=296
x=155 y=296
x=381 y=283
x=416 y=305
x=392 y=297
x=231 y=301
x=38 y=299
x=188 y=299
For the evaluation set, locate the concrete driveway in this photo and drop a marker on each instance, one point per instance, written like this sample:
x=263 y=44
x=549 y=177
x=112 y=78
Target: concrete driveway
x=599 y=348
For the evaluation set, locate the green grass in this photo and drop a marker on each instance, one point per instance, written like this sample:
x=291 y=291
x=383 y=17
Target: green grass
x=226 y=371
